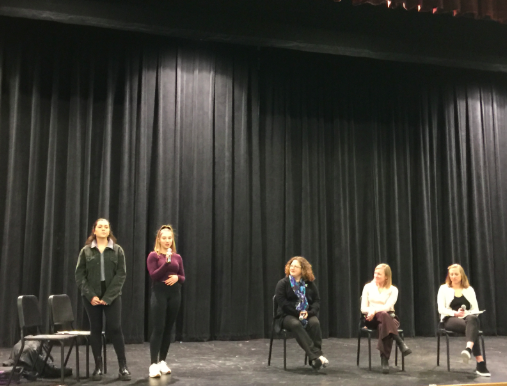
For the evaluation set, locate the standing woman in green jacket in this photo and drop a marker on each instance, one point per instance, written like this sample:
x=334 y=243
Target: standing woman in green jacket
x=100 y=274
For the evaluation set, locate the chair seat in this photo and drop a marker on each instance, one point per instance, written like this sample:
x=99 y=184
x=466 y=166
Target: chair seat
x=443 y=330
x=50 y=337
x=370 y=330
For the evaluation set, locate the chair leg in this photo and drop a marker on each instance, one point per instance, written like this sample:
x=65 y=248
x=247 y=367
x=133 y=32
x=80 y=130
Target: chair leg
x=358 y=346
x=369 y=351
x=77 y=359
x=62 y=368
x=48 y=355
x=284 y=351
x=87 y=358
x=396 y=355
x=438 y=348
x=68 y=353
x=483 y=349
x=402 y=356
x=16 y=362
x=448 y=354
x=270 y=347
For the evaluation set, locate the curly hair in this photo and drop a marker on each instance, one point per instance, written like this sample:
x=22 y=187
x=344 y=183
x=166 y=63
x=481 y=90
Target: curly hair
x=464 y=278
x=306 y=268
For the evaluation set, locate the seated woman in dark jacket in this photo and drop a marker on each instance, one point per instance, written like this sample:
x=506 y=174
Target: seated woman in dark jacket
x=298 y=308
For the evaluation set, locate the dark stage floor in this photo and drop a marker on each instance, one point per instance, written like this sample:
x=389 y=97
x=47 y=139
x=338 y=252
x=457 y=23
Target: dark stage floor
x=245 y=363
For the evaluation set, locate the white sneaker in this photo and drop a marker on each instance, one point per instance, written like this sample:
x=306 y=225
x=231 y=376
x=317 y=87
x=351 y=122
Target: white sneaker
x=164 y=369
x=324 y=361
x=154 y=371
x=465 y=356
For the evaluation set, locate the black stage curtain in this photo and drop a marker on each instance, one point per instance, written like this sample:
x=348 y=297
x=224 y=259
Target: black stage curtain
x=254 y=157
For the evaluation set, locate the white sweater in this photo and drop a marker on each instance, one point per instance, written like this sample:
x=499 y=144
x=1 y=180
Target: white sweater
x=446 y=295
x=373 y=300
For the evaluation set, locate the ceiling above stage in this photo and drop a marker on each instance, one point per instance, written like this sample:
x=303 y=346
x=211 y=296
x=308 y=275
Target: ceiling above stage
x=488 y=9
x=323 y=26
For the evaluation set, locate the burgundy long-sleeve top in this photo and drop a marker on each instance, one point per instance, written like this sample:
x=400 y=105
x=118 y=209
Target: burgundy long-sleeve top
x=160 y=270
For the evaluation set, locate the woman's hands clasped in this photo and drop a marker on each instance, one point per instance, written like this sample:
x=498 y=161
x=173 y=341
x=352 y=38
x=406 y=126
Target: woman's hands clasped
x=303 y=314
x=370 y=315
x=171 y=280
x=460 y=313
x=96 y=301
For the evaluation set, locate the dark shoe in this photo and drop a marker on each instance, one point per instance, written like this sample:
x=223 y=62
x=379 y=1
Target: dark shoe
x=316 y=364
x=482 y=370
x=385 y=364
x=97 y=373
x=124 y=373
x=402 y=346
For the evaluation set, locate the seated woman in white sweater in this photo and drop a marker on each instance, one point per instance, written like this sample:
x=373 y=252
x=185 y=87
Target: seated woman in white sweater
x=377 y=303
x=456 y=305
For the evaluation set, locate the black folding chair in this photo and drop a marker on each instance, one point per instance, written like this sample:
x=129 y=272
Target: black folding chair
x=442 y=331
x=284 y=333
x=363 y=329
x=30 y=318
x=61 y=318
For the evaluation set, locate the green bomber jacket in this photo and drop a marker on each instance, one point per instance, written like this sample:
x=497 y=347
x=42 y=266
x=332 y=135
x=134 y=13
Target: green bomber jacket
x=88 y=272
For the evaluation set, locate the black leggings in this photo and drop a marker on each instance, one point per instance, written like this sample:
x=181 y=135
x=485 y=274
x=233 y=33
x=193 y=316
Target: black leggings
x=164 y=305
x=113 y=326
x=468 y=326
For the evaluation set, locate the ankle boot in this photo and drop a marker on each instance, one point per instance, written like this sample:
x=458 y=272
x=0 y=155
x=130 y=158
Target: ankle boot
x=97 y=373
x=385 y=364
x=402 y=346
x=124 y=373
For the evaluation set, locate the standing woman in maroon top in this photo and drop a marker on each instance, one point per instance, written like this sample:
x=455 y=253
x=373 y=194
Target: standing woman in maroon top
x=166 y=270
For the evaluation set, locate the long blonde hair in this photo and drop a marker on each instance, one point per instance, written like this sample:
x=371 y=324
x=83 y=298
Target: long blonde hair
x=464 y=278
x=157 y=248
x=388 y=273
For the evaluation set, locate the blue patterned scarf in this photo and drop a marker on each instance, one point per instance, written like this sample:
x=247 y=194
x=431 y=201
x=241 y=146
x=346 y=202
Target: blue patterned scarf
x=300 y=291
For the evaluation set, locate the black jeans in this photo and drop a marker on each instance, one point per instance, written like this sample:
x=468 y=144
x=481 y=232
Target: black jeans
x=309 y=338
x=164 y=306
x=468 y=326
x=114 y=332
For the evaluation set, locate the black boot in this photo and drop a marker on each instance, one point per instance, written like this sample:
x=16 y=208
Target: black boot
x=402 y=346
x=124 y=373
x=97 y=373
x=385 y=364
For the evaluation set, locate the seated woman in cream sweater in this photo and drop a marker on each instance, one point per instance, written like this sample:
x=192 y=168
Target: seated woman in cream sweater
x=377 y=303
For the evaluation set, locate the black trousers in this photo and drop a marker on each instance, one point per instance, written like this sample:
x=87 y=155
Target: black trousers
x=468 y=326
x=309 y=338
x=112 y=312
x=164 y=306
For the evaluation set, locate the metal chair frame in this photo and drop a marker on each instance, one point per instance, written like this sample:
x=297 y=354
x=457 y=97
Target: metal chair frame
x=33 y=319
x=442 y=331
x=67 y=320
x=363 y=329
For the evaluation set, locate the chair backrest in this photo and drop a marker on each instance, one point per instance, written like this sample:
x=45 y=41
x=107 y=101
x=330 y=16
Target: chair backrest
x=275 y=306
x=60 y=311
x=29 y=312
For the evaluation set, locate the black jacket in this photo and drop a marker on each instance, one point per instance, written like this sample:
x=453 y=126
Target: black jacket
x=88 y=272
x=287 y=301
